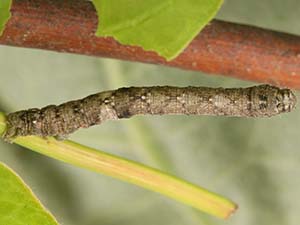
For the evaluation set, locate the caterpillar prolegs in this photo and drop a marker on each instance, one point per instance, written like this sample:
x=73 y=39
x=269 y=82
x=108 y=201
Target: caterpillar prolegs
x=61 y=120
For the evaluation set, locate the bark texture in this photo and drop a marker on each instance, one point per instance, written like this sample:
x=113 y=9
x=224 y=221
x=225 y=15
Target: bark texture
x=230 y=49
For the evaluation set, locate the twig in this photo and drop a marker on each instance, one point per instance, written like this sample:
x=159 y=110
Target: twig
x=222 y=48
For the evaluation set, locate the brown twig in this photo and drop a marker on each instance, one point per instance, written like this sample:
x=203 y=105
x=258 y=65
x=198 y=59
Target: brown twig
x=222 y=48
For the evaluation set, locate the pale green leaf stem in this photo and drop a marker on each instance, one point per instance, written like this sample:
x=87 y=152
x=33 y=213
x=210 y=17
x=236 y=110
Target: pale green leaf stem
x=128 y=171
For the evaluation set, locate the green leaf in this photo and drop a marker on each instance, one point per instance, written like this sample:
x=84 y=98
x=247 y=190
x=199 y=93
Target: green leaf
x=166 y=27
x=4 y=13
x=18 y=205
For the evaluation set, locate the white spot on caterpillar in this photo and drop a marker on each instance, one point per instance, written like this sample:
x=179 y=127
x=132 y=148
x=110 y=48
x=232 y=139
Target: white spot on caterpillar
x=220 y=101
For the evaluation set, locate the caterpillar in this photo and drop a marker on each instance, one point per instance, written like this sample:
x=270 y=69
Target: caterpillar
x=64 y=119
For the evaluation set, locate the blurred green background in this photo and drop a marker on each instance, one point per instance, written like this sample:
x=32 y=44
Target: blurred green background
x=255 y=162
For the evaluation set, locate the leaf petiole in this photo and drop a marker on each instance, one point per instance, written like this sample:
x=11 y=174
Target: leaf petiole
x=128 y=171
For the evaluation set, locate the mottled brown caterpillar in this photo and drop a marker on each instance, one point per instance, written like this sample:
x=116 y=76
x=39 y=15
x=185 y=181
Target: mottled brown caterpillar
x=61 y=120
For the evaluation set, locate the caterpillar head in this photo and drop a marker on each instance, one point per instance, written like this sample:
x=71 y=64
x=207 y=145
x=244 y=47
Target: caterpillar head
x=269 y=100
